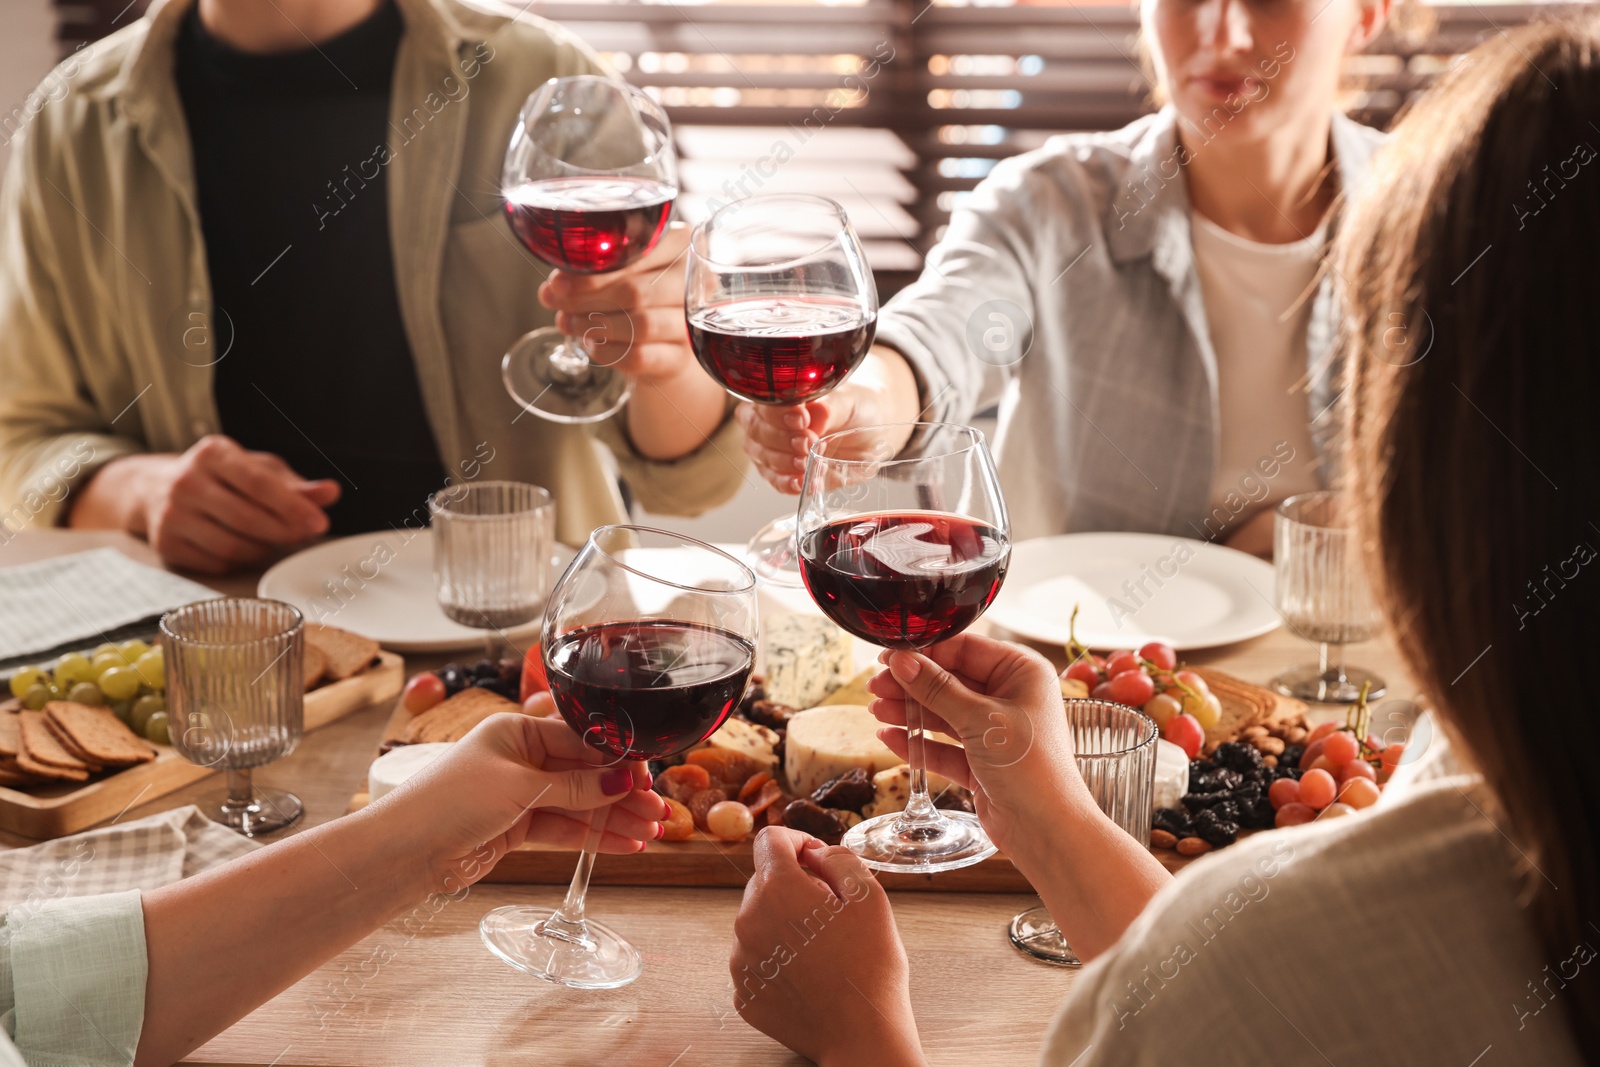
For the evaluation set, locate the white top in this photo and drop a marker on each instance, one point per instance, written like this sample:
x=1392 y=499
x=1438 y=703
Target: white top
x=1388 y=937
x=1258 y=305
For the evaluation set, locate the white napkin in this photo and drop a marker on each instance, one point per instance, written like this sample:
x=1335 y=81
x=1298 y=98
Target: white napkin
x=144 y=854
x=81 y=596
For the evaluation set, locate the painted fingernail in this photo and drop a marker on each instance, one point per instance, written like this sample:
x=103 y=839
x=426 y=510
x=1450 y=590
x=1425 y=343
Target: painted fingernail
x=661 y=830
x=616 y=781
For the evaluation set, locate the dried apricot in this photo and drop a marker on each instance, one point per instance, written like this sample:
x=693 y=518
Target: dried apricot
x=729 y=770
x=753 y=786
x=682 y=782
x=771 y=792
x=679 y=824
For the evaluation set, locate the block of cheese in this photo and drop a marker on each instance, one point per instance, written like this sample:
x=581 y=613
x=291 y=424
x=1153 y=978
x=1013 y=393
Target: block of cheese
x=749 y=739
x=804 y=658
x=398 y=764
x=823 y=743
x=855 y=690
x=1172 y=774
x=892 y=790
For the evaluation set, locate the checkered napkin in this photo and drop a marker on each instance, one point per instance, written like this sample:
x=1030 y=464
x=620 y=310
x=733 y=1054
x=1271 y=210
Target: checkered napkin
x=143 y=854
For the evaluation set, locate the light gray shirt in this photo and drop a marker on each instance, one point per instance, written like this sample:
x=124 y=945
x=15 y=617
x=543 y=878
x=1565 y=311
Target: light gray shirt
x=1066 y=291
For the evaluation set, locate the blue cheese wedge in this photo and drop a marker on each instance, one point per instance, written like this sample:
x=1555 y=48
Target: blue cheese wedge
x=806 y=657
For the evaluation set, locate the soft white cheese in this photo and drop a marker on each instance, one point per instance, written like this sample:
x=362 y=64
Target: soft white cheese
x=1172 y=774
x=398 y=764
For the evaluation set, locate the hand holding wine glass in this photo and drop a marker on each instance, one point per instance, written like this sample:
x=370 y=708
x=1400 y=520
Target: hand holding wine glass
x=905 y=553
x=646 y=657
x=589 y=181
x=781 y=307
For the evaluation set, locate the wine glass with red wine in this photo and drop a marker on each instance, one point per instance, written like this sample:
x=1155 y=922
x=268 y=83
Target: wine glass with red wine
x=589 y=181
x=904 y=553
x=781 y=307
x=648 y=649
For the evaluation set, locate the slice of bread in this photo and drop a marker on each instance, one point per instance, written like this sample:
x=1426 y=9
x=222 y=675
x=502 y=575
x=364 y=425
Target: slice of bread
x=454 y=718
x=98 y=734
x=314 y=664
x=346 y=653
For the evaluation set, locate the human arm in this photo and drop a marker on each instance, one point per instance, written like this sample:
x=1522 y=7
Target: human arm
x=1003 y=702
x=211 y=509
x=812 y=915
x=221 y=943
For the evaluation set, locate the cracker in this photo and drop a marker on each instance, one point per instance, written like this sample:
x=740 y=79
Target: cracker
x=346 y=653
x=314 y=664
x=98 y=734
x=28 y=765
x=454 y=718
x=10 y=733
x=40 y=745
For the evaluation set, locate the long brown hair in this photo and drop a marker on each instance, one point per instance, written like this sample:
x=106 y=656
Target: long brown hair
x=1472 y=266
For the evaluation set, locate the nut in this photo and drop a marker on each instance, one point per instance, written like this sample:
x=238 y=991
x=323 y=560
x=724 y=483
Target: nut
x=1269 y=761
x=1193 y=846
x=1250 y=733
x=1294 y=735
x=1162 y=839
x=1269 y=746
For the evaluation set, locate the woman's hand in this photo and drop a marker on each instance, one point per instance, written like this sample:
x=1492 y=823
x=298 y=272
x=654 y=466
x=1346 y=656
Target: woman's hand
x=517 y=778
x=880 y=392
x=817 y=962
x=1004 y=704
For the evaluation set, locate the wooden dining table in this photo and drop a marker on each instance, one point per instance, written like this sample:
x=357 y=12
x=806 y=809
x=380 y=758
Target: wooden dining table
x=427 y=992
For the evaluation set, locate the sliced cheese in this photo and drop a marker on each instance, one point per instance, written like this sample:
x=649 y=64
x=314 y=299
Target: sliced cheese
x=822 y=743
x=749 y=739
x=805 y=657
x=398 y=764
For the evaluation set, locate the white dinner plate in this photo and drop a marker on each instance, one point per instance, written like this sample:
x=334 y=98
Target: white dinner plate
x=380 y=585
x=1133 y=588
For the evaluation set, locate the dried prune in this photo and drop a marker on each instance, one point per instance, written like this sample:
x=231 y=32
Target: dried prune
x=850 y=791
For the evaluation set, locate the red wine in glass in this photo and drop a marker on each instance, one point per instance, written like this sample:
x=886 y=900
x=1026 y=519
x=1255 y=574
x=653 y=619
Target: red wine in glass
x=781 y=350
x=647 y=689
x=904 y=579
x=590 y=225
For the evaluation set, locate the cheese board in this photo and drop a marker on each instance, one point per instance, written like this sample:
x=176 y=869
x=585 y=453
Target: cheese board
x=700 y=861
x=54 y=810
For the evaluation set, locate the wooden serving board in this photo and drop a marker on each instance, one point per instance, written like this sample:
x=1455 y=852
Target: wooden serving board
x=49 y=811
x=701 y=861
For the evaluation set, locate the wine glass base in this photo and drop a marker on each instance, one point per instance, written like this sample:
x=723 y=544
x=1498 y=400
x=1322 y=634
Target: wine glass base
x=1035 y=933
x=266 y=811
x=603 y=961
x=1333 y=686
x=884 y=844
x=774 y=554
x=555 y=381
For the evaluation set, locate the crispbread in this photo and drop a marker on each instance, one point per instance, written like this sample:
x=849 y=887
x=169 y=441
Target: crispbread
x=40 y=745
x=346 y=653
x=98 y=734
x=455 y=717
x=1243 y=706
x=314 y=665
x=10 y=776
x=10 y=733
x=70 y=745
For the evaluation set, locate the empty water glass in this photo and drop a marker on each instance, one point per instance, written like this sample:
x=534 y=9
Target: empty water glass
x=236 y=700
x=1115 y=747
x=1323 y=597
x=492 y=545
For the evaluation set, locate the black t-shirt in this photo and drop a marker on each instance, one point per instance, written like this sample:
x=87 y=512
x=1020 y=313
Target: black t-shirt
x=302 y=273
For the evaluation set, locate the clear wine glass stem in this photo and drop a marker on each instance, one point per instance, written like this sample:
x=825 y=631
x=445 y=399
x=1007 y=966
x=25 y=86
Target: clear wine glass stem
x=567 y=923
x=920 y=812
x=571 y=360
x=241 y=792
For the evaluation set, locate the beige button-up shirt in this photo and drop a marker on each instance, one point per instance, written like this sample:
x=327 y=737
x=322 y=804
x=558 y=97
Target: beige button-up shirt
x=107 y=332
